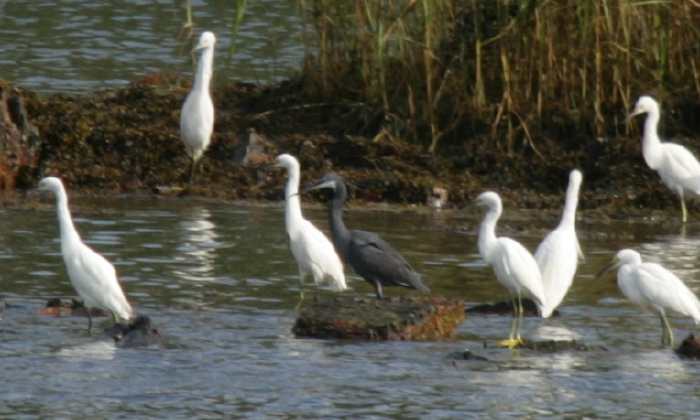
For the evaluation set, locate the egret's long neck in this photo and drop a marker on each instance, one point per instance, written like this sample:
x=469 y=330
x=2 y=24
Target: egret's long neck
x=650 y=140
x=64 y=218
x=487 y=233
x=568 y=217
x=341 y=235
x=291 y=195
x=204 y=70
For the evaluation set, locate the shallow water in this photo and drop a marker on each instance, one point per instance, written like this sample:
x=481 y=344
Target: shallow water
x=82 y=46
x=219 y=281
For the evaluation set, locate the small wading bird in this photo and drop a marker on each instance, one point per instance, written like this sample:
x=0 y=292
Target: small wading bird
x=651 y=286
x=515 y=267
x=92 y=276
x=312 y=250
x=559 y=252
x=369 y=255
x=676 y=165
x=197 y=115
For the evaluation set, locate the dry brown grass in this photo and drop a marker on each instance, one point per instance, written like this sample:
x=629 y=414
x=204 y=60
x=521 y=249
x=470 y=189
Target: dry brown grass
x=517 y=70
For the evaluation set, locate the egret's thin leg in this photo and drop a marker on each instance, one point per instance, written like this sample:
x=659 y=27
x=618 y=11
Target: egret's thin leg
x=301 y=287
x=378 y=289
x=301 y=293
x=89 y=314
x=685 y=211
x=667 y=334
x=520 y=318
x=194 y=164
x=511 y=341
x=116 y=318
x=513 y=322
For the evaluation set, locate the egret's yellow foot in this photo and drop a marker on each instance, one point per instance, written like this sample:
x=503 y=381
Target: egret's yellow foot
x=511 y=343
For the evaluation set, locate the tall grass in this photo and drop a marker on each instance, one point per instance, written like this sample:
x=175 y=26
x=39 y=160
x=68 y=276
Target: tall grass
x=521 y=72
x=239 y=9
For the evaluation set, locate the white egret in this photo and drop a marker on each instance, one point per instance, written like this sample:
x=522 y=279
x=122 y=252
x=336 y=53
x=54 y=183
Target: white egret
x=369 y=255
x=312 y=250
x=92 y=276
x=559 y=252
x=678 y=168
x=197 y=115
x=515 y=267
x=651 y=286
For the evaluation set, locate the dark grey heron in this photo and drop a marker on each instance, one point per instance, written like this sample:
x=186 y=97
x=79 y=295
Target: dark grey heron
x=369 y=255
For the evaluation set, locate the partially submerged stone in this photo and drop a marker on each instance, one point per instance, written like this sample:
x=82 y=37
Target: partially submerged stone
x=689 y=348
x=415 y=318
x=138 y=332
x=467 y=354
x=552 y=346
x=505 y=307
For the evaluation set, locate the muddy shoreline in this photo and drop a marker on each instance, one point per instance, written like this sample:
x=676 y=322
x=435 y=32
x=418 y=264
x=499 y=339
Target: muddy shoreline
x=126 y=141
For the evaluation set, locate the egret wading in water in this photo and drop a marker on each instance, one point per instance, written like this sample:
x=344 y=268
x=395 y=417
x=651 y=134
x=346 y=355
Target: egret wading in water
x=515 y=267
x=197 y=115
x=92 y=276
x=651 y=286
x=678 y=168
x=312 y=250
x=369 y=255
x=559 y=252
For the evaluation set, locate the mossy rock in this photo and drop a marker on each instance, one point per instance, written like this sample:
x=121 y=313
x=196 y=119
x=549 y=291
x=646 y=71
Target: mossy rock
x=420 y=318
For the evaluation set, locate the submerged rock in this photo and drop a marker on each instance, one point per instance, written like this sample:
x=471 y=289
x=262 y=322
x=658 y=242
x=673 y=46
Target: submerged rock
x=505 y=307
x=467 y=354
x=419 y=318
x=551 y=346
x=136 y=333
x=689 y=348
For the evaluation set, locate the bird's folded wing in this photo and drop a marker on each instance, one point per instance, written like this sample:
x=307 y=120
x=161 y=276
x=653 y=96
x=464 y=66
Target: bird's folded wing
x=682 y=166
x=663 y=288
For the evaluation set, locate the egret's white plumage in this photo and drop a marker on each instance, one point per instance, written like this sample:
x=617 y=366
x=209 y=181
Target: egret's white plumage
x=651 y=286
x=559 y=252
x=514 y=266
x=312 y=250
x=197 y=115
x=92 y=276
x=678 y=168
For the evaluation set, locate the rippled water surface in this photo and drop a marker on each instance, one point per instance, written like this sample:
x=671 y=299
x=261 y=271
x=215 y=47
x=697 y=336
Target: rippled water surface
x=220 y=282
x=82 y=46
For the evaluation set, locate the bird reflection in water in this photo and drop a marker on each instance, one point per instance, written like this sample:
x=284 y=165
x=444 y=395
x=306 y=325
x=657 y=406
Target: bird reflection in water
x=198 y=245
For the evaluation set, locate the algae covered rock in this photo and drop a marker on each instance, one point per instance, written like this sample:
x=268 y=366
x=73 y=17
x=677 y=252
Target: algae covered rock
x=419 y=318
x=18 y=137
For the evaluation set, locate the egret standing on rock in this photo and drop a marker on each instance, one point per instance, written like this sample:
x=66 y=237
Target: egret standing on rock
x=515 y=267
x=676 y=165
x=559 y=252
x=369 y=255
x=197 y=116
x=651 y=286
x=92 y=276
x=312 y=250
